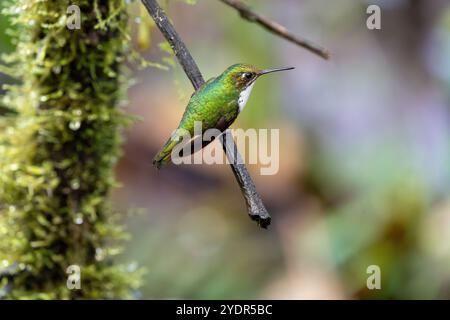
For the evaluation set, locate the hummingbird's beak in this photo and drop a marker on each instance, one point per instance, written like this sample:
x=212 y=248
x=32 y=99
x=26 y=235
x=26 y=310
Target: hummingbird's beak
x=274 y=70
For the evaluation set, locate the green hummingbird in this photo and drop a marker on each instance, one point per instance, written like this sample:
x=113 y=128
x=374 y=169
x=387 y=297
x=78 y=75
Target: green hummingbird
x=216 y=104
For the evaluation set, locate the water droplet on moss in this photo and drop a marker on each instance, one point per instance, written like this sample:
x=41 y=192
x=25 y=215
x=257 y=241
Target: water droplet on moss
x=78 y=218
x=132 y=267
x=137 y=20
x=56 y=69
x=75 y=184
x=99 y=254
x=75 y=125
x=14 y=167
x=5 y=263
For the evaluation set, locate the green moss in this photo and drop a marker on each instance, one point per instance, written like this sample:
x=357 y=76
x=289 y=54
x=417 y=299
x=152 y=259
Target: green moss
x=57 y=155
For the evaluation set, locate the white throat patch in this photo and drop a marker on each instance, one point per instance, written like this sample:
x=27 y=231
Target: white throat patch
x=243 y=97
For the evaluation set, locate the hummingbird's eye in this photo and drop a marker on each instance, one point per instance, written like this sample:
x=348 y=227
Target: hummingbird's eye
x=247 y=75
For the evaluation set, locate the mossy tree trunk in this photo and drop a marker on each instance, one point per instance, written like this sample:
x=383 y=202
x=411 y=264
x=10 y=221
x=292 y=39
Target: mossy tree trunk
x=57 y=154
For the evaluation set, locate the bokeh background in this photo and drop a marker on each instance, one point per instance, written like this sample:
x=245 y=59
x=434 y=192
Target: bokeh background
x=364 y=156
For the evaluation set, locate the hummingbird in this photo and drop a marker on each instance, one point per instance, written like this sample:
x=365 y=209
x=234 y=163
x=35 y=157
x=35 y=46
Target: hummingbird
x=217 y=104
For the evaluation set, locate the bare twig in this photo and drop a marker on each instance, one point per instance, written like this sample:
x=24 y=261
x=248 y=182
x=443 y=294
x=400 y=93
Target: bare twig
x=274 y=27
x=255 y=208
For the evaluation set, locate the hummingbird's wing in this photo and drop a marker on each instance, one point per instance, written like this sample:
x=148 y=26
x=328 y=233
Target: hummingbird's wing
x=212 y=107
x=164 y=155
x=197 y=142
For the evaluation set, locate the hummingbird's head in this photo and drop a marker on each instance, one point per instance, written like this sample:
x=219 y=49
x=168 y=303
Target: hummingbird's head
x=244 y=75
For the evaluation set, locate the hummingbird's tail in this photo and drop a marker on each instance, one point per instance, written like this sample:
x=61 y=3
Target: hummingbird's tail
x=164 y=155
x=188 y=147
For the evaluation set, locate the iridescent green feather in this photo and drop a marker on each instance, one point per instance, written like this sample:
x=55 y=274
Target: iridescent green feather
x=209 y=104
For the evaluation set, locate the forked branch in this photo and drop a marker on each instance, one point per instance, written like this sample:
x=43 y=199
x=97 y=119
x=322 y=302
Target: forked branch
x=248 y=14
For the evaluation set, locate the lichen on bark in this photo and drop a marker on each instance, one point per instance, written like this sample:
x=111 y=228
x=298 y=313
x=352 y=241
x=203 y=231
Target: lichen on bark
x=57 y=154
